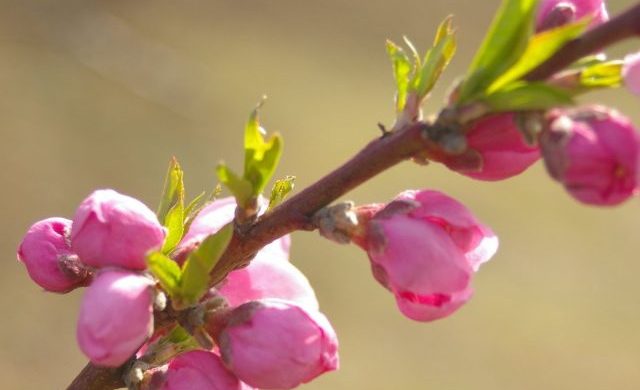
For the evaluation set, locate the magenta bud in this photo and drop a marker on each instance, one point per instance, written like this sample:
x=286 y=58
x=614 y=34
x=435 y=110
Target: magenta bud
x=46 y=253
x=555 y=13
x=266 y=278
x=496 y=150
x=116 y=317
x=424 y=247
x=593 y=151
x=276 y=344
x=111 y=229
x=212 y=218
x=631 y=73
x=199 y=370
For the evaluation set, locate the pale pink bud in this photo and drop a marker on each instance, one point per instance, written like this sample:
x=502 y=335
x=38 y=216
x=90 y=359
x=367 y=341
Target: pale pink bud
x=266 y=278
x=424 y=247
x=200 y=370
x=111 y=229
x=276 y=344
x=212 y=218
x=631 y=73
x=594 y=152
x=555 y=13
x=496 y=150
x=46 y=253
x=116 y=317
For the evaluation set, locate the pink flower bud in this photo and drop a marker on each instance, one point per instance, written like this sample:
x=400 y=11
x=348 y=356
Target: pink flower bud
x=593 y=151
x=116 y=317
x=46 y=253
x=276 y=344
x=111 y=229
x=212 y=218
x=555 y=13
x=424 y=247
x=200 y=370
x=631 y=73
x=265 y=278
x=496 y=150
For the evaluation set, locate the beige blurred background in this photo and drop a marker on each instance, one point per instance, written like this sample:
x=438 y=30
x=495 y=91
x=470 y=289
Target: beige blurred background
x=98 y=94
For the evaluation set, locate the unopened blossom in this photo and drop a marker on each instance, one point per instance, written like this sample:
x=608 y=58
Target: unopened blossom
x=199 y=370
x=116 y=317
x=277 y=344
x=554 y=13
x=631 y=73
x=496 y=150
x=46 y=253
x=111 y=229
x=265 y=278
x=424 y=247
x=594 y=152
x=212 y=218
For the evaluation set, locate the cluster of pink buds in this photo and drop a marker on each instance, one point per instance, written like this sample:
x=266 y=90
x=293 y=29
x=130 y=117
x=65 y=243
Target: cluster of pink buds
x=269 y=332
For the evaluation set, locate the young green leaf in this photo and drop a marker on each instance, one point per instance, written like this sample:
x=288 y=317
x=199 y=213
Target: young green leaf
x=540 y=47
x=195 y=271
x=280 y=190
x=171 y=209
x=173 y=192
x=239 y=187
x=402 y=70
x=502 y=46
x=603 y=75
x=261 y=156
x=166 y=271
x=174 y=222
x=437 y=58
x=527 y=96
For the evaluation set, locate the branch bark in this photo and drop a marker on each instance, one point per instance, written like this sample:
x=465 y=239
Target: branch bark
x=376 y=157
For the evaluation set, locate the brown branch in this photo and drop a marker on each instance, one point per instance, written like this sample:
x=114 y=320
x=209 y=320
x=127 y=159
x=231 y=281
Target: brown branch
x=376 y=157
x=98 y=378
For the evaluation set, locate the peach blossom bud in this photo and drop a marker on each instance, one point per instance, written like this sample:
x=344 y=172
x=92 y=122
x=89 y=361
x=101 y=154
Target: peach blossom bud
x=555 y=13
x=46 y=253
x=276 y=344
x=496 y=150
x=111 y=229
x=200 y=370
x=424 y=247
x=594 y=152
x=265 y=278
x=631 y=73
x=212 y=218
x=116 y=317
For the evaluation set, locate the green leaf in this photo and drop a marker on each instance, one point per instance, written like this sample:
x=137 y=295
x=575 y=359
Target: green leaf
x=166 y=271
x=173 y=192
x=174 y=222
x=527 y=96
x=239 y=187
x=603 y=75
x=502 y=46
x=168 y=346
x=171 y=208
x=280 y=190
x=437 y=58
x=195 y=271
x=540 y=47
x=261 y=156
x=402 y=70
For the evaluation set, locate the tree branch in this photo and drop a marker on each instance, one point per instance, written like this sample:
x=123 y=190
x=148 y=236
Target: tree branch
x=376 y=157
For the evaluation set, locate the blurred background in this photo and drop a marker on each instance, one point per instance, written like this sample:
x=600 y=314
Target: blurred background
x=97 y=94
